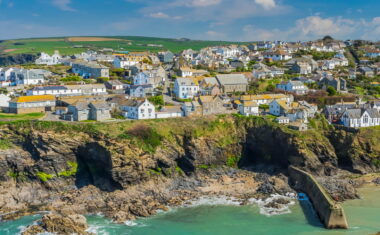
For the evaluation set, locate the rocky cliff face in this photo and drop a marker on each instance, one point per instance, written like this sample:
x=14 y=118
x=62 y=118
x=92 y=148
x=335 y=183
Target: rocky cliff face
x=6 y=60
x=134 y=168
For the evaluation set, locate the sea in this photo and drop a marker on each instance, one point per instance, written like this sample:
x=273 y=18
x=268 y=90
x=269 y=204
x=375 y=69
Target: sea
x=224 y=216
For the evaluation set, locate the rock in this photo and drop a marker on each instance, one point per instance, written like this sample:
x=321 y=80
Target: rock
x=376 y=181
x=60 y=224
x=33 y=230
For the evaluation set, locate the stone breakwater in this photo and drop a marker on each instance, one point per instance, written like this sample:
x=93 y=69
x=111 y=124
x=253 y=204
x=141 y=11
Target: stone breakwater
x=331 y=213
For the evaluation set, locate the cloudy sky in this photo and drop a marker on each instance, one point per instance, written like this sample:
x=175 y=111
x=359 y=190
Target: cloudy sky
x=235 y=20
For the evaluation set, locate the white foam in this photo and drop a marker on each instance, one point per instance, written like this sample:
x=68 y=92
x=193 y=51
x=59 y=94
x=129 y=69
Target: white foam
x=97 y=229
x=232 y=201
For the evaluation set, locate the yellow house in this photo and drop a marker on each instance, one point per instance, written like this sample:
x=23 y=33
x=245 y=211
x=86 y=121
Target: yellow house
x=32 y=104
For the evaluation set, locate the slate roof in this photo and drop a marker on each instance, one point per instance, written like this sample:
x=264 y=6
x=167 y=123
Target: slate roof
x=232 y=79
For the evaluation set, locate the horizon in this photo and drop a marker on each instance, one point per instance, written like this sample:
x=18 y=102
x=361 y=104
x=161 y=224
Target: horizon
x=214 y=20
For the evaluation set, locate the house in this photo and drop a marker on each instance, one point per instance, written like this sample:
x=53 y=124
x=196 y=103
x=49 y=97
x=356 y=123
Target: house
x=367 y=71
x=49 y=60
x=334 y=112
x=114 y=85
x=298 y=126
x=90 y=69
x=69 y=90
x=141 y=90
x=17 y=76
x=147 y=78
x=130 y=59
x=339 y=84
x=211 y=105
x=32 y=104
x=231 y=83
x=263 y=71
x=77 y=111
x=294 y=110
x=248 y=108
x=267 y=98
x=282 y=120
x=373 y=53
x=192 y=108
x=189 y=72
x=166 y=57
x=277 y=55
x=186 y=88
x=293 y=86
x=4 y=102
x=139 y=109
x=302 y=68
x=170 y=112
x=99 y=111
x=360 y=117
x=209 y=86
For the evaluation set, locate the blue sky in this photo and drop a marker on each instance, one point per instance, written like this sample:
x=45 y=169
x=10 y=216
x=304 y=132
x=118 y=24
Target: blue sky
x=235 y=20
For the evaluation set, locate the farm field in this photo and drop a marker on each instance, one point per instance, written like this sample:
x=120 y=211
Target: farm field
x=77 y=44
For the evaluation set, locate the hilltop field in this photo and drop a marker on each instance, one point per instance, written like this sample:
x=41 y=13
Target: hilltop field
x=72 y=45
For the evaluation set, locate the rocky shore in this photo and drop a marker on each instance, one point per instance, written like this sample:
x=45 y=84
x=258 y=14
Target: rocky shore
x=131 y=170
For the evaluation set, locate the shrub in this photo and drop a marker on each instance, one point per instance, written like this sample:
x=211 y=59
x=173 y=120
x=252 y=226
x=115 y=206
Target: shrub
x=157 y=100
x=146 y=136
x=232 y=161
x=72 y=171
x=44 y=176
x=5 y=144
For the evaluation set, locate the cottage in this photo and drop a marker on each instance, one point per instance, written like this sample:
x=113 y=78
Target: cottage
x=49 y=60
x=77 y=111
x=4 y=102
x=267 y=98
x=339 y=84
x=211 y=105
x=139 y=109
x=32 y=104
x=248 y=108
x=186 y=88
x=99 y=111
x=166 y=57
x=90 y=69
x=140 y=91
x=367 y=71
x=231 y=83
x=294 y=110
x=282 y=120
x=114 y=85
x=170 y=112
x=360 y=117
x=277 y=55
x=293 y=86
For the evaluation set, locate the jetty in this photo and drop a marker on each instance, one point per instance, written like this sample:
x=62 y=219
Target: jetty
x=330 y=212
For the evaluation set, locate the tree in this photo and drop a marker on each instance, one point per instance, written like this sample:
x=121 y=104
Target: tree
x=102 y=80
x=157 y=100
x=271 y=87
x=331 y=91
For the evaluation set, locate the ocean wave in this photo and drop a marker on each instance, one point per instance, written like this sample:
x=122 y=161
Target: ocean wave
x=263 y=204
x=97 y=229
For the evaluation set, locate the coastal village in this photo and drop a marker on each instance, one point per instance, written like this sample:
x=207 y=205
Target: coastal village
x=289 y=82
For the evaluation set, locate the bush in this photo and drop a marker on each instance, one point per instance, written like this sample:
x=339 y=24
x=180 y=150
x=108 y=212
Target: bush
x=72 y=171
x=331 y=90
x=146 y=136
x=44 y=176
x=232 y=161
x=72 y=78
x=157 y=100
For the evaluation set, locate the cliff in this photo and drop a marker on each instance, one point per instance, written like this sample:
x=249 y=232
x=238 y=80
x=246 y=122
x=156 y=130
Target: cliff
x=133 y=168
x=7 y=60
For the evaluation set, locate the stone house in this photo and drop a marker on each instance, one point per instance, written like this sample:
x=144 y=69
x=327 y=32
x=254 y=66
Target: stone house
x=339 y=84
x=99 y=111
x=90 y=69
x=32 y=104
x=140 y=91
x=211 y=105
x=114 y=85
x=231 y=83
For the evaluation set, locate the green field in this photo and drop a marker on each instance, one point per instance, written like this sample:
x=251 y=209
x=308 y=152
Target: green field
x=124 y=43
x=15 y=117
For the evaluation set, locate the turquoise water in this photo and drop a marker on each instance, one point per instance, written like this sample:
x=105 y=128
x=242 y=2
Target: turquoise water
x=363 y=217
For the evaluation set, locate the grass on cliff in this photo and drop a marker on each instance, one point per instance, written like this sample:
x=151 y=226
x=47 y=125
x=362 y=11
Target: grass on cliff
x=15 y=117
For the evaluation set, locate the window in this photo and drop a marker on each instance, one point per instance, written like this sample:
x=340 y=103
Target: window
x=365 y=119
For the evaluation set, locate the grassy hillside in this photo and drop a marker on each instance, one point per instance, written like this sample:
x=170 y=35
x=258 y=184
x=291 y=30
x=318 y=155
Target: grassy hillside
x=68 y=45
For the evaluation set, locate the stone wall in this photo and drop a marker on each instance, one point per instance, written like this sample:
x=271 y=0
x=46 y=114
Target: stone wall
x=331 y=213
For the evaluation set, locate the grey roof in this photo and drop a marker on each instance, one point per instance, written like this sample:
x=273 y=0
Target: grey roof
x=48 y=88
x=114 y=82
x=296 y=83
x=185 y=81
x=232 y=79
x=358 y=113
x=100 y=105
x=210 y=80
x=80 y=105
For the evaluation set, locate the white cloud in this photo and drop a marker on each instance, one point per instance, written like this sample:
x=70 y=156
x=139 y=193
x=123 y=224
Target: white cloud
x=203 y=3
x=266 y=4
x=214 y=35
x=64 y=5
x=161 y=15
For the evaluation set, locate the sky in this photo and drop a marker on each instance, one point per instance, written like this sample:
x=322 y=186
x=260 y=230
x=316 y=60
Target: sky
x=231 y=20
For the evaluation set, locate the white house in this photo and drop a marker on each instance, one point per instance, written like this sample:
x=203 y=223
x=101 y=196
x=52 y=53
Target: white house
x=360 y=118
x=68 y=90
x=19 y=76
x=249 y=108
x=4 y=101
x=293 y=86
x=170 y=112
x=49 y=60
x=139 y=109
x=277 y=55
x=294 y=110
x=185 y=88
